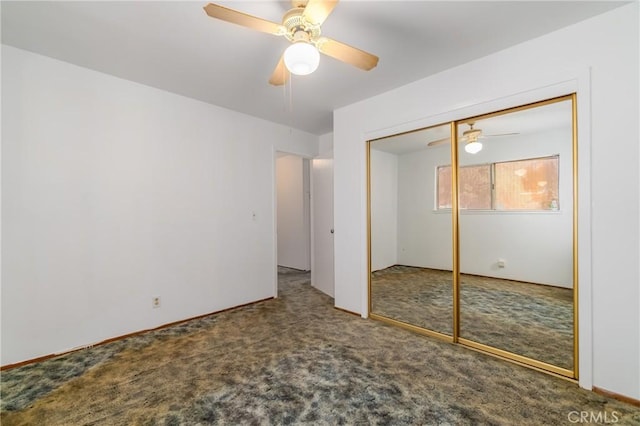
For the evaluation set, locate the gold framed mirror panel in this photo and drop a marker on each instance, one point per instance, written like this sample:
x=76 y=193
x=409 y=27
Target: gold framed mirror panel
x=512 y=224
x=410 y=244
x=517 y=239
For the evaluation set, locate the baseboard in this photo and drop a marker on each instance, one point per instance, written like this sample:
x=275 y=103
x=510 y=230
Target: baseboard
x=617 y=396
x=348 y=312
x=124 y=336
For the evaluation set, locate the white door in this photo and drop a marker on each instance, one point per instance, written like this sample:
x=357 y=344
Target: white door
x=322 y=211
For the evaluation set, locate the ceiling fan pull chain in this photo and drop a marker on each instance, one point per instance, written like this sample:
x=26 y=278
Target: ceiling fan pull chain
x=291 y=101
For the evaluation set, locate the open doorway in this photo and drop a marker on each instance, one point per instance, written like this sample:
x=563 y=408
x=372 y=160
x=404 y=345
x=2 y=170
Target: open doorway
x=293 y=218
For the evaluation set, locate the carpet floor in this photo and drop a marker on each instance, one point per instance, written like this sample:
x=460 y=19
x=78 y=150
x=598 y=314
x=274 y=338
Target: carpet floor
x=291 y=360
x=524 y=318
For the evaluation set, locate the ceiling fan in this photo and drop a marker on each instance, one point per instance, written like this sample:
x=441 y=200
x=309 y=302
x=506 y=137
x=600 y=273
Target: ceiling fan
x=470 y=137
x=301 y=26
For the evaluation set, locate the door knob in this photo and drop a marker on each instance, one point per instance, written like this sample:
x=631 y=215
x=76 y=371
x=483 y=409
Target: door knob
x=331 y=230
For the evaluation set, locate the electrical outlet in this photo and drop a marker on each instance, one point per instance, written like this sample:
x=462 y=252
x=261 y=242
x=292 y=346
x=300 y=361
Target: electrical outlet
x=501 y=263
x=155 y=301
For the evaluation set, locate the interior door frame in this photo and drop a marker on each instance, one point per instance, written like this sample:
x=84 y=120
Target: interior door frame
x=274 y=198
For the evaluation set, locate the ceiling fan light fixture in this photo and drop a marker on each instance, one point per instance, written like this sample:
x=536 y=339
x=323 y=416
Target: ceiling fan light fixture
x=301 y=58
x=301 y=26
x=473 y=147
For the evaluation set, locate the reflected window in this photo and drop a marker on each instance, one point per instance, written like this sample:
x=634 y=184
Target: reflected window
x=444 y=187
x=527 y=184
x=530 y=184
x=475 y=187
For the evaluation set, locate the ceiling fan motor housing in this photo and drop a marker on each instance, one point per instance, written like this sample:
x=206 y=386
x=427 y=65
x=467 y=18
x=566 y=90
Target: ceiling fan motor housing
x=295 y=23
x=472 y=134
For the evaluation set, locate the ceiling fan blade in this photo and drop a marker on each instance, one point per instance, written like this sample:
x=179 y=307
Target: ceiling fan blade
x=464 y=139
x=345 y=53
x=280 y=74
x=439 y=142
x=501 y=134
x=317 y=11
x=240 y=18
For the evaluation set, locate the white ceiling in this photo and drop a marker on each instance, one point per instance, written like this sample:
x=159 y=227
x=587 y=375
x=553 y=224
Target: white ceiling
x=175 y=46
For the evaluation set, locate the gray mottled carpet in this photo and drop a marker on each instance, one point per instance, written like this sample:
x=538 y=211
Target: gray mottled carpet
x=524 y=318
x=291 y=360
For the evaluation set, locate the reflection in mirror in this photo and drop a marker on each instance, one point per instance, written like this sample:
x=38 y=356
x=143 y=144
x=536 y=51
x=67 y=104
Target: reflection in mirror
x=410 y=239
x=515 y=180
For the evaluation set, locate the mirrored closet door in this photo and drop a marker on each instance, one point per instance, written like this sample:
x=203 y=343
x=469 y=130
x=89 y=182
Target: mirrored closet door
x=410 y=240
x=481 y=250
x=515 y=191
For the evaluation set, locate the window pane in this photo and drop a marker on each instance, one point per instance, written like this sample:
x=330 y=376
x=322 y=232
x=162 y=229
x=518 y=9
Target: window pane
x=527 y=184
x=475 y=187
x=444 y=187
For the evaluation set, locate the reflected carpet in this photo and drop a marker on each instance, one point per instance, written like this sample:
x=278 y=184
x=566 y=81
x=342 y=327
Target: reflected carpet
x=524 y=318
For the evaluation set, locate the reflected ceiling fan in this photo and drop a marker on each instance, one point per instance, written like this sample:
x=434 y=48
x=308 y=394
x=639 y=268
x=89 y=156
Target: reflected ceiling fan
x=470 y=137
x=301 y=26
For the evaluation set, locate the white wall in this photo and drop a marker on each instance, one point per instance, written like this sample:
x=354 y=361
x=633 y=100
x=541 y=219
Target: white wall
x=292 y=181
x=598 y=58
x=325 y=146
x=114 y=192
x=384 y=209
